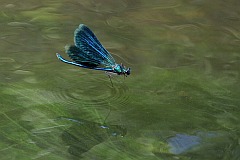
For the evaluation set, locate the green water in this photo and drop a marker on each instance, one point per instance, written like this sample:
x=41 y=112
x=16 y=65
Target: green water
x=185 y=62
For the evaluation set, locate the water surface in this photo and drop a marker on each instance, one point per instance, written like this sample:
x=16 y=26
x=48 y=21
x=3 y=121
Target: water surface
x=181 y=100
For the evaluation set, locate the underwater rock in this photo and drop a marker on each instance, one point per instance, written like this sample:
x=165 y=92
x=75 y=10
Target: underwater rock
x=183 y=142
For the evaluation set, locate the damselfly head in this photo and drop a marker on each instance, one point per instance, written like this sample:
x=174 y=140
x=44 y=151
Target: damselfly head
x=128 y=71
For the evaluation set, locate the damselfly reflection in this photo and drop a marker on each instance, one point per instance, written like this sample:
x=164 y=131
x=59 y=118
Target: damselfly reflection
x=84 y=135
x=88 y=52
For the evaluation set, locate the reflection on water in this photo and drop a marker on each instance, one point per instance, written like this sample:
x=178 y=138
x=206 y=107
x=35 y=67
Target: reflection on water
x=83 y=135
x=71 y=138
x=180 y=102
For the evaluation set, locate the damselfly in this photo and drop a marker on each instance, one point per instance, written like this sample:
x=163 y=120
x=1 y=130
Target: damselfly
x=88 y=52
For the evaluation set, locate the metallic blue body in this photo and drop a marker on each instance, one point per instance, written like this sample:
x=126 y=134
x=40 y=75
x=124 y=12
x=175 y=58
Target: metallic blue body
x=88 y=52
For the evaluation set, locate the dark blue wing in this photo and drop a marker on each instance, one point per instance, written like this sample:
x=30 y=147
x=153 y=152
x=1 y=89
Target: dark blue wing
x=79 y=57
x=91 y=49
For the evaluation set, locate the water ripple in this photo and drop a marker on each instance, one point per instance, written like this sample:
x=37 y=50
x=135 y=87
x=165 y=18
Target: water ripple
x=107 y=7
x=94 y=95
x=159 y=4
x=233 y=32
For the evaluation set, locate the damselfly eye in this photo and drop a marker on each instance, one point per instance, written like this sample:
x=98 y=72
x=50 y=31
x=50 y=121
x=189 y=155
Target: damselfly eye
x=128 y=71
